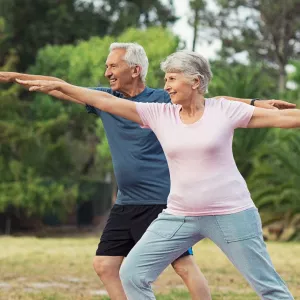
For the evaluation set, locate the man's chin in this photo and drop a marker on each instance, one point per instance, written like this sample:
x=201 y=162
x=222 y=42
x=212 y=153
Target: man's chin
x=114 y=87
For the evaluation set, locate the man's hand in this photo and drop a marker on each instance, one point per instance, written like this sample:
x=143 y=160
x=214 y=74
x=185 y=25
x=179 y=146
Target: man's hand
x=43 y=86
x=274 y=104
x=7 y=77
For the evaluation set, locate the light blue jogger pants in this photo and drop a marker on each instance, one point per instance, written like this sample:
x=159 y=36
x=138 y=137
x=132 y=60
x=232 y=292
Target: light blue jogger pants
x=238 y=235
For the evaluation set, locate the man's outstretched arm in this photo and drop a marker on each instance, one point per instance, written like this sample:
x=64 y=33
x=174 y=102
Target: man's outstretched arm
x=6 y=77
x=268 y=104
x=12 y=76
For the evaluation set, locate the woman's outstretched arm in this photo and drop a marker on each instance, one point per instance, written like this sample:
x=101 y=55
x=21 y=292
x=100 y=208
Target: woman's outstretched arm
x=286 y=118
x=104 y=101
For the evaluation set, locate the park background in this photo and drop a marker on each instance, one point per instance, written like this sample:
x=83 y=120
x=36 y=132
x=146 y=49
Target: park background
x=56 y=178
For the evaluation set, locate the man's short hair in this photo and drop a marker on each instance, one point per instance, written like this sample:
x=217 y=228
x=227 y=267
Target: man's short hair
x=135 y=56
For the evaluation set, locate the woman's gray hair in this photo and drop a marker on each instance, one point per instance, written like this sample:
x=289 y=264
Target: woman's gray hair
x=191 y=64
x=135 y=56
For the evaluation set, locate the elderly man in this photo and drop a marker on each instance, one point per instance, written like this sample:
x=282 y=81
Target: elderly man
x=140 y=169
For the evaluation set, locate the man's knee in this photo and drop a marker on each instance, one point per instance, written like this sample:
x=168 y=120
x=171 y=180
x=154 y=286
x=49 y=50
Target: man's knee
x=184 y=266
x=180 y=269
x=105 y=267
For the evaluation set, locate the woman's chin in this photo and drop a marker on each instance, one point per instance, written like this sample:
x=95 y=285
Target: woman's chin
x=175 y=101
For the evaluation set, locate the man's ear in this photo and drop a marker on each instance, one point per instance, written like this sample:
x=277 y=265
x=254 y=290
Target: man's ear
x=136 y=71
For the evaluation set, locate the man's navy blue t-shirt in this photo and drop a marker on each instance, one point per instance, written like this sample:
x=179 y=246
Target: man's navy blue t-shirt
x=139 y=163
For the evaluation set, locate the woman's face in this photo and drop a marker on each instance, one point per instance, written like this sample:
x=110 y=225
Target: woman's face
x=179 y=87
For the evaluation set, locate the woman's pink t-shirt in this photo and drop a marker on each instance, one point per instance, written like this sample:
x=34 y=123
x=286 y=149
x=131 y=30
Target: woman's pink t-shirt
x=204 y=177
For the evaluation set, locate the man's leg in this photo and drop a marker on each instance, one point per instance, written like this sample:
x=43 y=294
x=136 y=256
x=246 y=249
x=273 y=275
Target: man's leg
x=239 y=235
x=107 y=268
x=164 y=241
x=116 y=242
x=188 y=270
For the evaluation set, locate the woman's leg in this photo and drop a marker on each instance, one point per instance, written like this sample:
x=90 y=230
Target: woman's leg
x=239 y=235
x=165 y=240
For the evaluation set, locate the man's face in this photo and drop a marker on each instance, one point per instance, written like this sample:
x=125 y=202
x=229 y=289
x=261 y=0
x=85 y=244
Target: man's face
x=117 y=71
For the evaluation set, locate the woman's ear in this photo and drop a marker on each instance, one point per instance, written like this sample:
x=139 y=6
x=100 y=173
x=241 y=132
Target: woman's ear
x=196 y=83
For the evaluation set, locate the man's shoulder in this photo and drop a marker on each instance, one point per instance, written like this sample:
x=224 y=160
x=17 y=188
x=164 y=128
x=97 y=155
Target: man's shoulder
x=108 y=90
x=157 y=95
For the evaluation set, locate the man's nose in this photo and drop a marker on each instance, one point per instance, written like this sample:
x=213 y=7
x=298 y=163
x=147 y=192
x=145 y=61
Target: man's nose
x=108 y=73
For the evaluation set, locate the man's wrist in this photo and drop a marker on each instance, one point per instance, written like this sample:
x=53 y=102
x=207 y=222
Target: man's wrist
x=60 y=85
x=13 y=76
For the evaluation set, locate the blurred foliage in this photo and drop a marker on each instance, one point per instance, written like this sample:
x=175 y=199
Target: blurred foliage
x=32 y=24
x=267 y=158
x=54 y=144
x=261 y=30
x=47 y=147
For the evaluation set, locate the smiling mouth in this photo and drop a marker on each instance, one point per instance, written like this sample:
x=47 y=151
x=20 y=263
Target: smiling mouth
x=112 y=81
x=172 y=94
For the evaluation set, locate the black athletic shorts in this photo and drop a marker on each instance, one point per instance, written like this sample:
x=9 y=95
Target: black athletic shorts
x=125 y=226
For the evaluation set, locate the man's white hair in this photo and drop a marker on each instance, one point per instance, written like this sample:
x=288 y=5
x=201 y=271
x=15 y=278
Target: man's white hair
x=191 y=64
x=135 y=56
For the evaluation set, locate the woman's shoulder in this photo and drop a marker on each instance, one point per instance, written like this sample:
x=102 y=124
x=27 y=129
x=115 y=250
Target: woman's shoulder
x=162 y=108
x=218 y=103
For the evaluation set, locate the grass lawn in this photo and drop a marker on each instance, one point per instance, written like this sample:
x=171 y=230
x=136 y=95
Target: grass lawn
x=61 y=269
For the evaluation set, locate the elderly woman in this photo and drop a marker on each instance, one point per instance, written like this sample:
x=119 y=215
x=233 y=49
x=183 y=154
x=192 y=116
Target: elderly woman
x=208 y=198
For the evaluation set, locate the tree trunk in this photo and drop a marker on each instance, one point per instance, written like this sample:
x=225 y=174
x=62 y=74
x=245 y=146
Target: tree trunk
x=195 y=27
x=8 y=225
x=282 y=79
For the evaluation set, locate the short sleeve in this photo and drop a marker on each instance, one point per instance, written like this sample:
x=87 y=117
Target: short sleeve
x=91 y=109
x=149 y=113
x=167 y=98
x=239 y=113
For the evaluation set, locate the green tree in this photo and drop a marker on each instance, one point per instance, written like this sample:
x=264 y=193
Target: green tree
x=33 y=24
x=31 y=181
x=275 y=182
x=267 y=30
x=137 y=14
x=198 y=8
